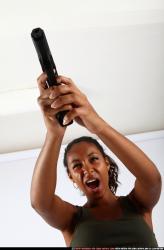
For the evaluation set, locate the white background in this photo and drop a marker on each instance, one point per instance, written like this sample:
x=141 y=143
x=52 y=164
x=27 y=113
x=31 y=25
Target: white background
x=113 y=50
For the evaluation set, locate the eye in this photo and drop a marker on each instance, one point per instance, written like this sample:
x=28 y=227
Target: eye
x=77 y=165
x=94 y=158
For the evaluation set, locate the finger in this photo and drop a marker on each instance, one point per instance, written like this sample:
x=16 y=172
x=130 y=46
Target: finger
x=59 y=90
x=69 y=82
x=67 y=99
x=44 y=101
x=70 y=116
x=41 y=80
x=63 y=79
x=52 y=112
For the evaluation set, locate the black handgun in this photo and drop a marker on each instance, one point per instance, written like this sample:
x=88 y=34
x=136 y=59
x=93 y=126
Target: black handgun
x=47 y=64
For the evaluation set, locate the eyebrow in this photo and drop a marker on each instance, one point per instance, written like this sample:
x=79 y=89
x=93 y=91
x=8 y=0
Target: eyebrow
x=92 y=153
x=75 y=160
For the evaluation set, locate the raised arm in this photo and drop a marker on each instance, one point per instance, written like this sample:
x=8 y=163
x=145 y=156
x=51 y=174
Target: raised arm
x=148 y=179
x=52 y=208
x=44 y=176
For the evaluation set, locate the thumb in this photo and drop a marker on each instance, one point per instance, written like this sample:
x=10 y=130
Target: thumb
x=70 y=116
x=41 y=80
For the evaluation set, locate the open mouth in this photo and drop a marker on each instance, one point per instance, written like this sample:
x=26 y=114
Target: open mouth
x=92 y=183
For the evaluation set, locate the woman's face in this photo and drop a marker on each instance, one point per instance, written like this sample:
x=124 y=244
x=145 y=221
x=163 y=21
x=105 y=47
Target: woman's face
x=88 y=169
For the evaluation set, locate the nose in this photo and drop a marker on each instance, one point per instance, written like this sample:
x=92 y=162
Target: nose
x=87 y=169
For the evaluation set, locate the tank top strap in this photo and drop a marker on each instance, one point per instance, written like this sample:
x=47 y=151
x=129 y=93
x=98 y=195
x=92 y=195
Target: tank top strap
x=82 y=214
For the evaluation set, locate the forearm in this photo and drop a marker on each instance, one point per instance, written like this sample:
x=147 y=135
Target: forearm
x=129 y=154
x=44 y=177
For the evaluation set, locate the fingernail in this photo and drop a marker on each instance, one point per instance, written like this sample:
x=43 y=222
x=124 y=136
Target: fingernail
x=58 y=80
x=65 y=120
x=51 y=96
x=53 y=106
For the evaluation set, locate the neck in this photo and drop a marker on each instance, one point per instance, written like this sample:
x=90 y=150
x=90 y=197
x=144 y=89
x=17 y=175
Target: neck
x=108 y=198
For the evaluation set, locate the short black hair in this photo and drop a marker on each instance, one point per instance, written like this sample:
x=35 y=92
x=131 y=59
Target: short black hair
x=113 y=171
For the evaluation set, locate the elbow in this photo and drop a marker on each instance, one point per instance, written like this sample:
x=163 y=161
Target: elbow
x=38 y=207
x=36 y=201
x=157 y=184
x=34 y=204
x=33 y=199
x=152 y=178
x=158 y=178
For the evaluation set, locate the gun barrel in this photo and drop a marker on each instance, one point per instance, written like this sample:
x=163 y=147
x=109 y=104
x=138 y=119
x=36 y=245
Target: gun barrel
x=44 y=55
x=47 y=64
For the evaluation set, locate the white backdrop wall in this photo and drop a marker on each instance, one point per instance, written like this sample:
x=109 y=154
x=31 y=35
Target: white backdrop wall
x=110 y=48
x=21 y=226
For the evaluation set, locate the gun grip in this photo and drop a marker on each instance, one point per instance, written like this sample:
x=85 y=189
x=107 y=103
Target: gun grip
x=60 y=117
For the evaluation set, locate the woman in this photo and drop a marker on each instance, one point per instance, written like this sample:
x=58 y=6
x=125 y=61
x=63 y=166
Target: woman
x=106 y=220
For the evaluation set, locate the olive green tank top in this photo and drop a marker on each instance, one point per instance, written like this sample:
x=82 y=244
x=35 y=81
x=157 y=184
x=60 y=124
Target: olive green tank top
x=130 y=230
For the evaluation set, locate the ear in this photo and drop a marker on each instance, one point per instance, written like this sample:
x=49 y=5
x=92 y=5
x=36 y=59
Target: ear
x=107 y=163
x=70 y=177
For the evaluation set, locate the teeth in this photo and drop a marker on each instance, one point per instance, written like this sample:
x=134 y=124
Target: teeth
x=89 y=181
